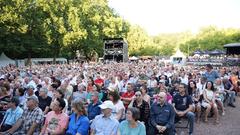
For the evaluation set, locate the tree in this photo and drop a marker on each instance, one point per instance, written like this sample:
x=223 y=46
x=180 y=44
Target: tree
x=138 y=40
x=211 y=38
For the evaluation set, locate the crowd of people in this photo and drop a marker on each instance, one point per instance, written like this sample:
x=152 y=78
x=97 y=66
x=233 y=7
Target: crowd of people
x=135 y=98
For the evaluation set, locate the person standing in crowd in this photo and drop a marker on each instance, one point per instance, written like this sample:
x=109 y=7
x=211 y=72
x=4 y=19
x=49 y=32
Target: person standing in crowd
x=12 y=115
x=79 y=122
x=183 y=107
x=93 y=107
x=44 y=100
x=131 y=126
x=30 y=122
x=105 y=124
x=162 y=116
x=56 y=121
x=209 y=101
x=210 y=74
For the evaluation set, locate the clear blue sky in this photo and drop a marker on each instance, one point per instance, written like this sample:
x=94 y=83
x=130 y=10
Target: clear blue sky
x=168 y=16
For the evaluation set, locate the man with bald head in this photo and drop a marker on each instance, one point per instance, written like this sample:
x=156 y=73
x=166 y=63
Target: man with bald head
x=162 y=116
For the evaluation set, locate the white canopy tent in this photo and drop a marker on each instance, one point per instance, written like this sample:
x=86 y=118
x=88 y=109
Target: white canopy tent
x=178 y=58
x=4 y=60
x=133 y=58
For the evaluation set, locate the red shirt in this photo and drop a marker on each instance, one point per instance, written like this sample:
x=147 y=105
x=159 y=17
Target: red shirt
x=127 y=95
x=99 y=82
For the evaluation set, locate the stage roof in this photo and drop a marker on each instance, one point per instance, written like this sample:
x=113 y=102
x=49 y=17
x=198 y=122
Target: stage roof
x=232 y=45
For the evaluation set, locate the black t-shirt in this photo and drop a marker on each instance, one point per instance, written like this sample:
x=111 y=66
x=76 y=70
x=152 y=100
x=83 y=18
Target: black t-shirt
x=174 y=92
x=182 y=102
x=43 y=103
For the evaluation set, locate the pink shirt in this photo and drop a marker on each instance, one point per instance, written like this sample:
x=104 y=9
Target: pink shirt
x=56 y=122
x=169 y=98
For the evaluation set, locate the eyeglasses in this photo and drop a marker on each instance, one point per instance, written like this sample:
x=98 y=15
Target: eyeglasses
x=181 y=87
x=138 y=95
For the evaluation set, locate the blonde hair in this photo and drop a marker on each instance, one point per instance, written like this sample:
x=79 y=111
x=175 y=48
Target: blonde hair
x=3 y=90
x=78 y=105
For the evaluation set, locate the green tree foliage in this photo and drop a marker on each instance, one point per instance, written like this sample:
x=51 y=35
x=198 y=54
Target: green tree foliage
x=53 y=28
x=20 y=26
x=42 y=28
x=211 y=38
x=139 y=43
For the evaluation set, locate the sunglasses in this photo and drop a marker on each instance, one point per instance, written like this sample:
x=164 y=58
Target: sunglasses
x=138 y=95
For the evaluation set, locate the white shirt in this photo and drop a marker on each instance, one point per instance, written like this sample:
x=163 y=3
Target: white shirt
x=152 y=83
x=184 y=80
x=123 y=86
x=117 y=108
x=201 y=87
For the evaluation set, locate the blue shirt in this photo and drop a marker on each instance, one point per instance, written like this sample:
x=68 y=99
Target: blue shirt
x=12 y=115
x=80 y=125
x=211 y=76
x=94 y=110
x=126 y=130
x=162 y=115
x=105 y=126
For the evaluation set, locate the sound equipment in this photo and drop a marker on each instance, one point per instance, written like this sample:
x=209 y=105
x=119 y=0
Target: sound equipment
x=115 y=49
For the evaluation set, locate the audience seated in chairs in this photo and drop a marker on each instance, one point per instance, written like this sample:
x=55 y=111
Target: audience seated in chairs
x=119 y=109
x=12 y=114
x=30 y=122
x=106 y=123
x=183 y=106
x=56 y=121
x=93 y=107
x=131 y=126
x=143 y=107
x=79 y=122
x=230 y=92
x=4 y=97
x=220 y=94
x=195 y=94
x=162 y=117
x=209 y=101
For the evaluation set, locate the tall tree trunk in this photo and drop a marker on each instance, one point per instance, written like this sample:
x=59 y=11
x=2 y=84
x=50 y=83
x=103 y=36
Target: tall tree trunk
x=29 y=63
x=56 y=51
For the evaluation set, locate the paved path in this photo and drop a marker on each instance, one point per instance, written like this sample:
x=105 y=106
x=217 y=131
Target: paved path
x=229 y=124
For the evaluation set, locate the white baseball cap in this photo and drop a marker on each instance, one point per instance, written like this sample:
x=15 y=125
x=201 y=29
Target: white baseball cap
x=107 y=104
